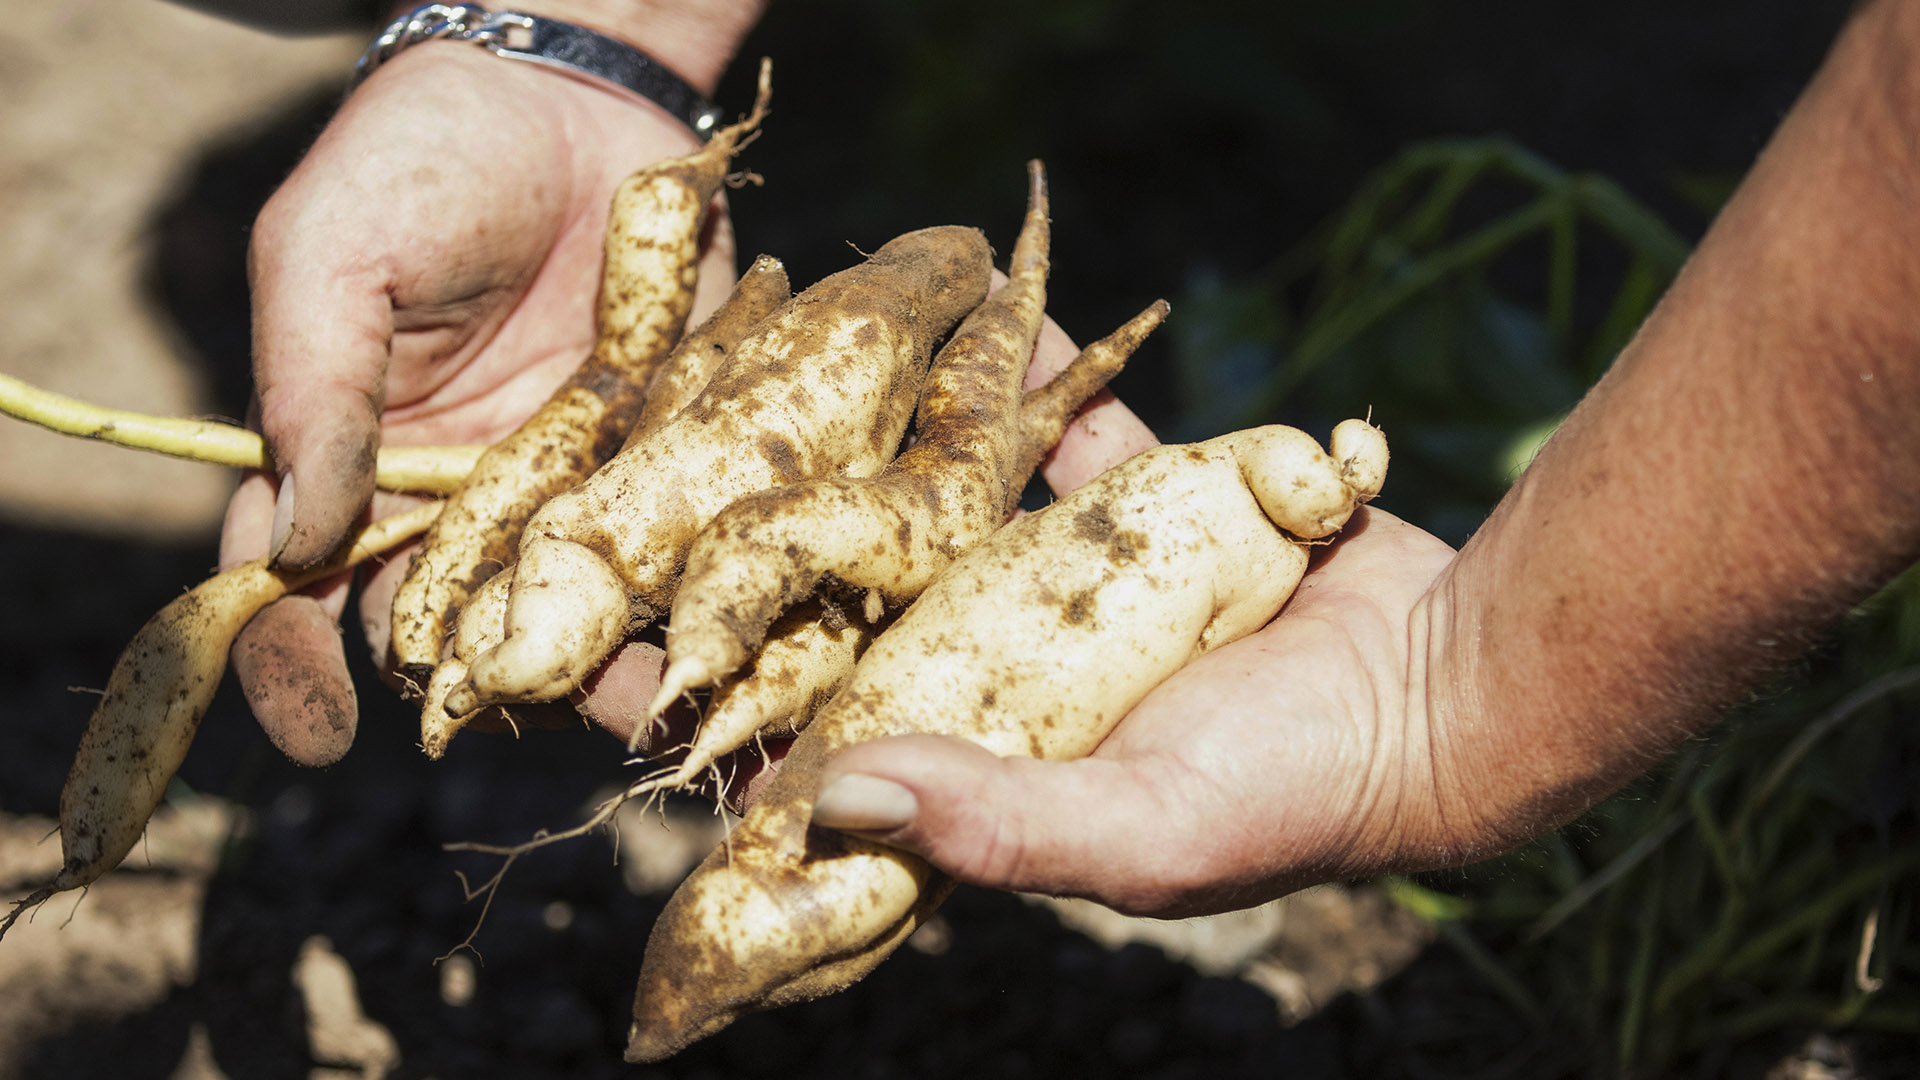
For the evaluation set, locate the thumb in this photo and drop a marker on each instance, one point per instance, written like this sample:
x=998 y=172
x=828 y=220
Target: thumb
x=323 y=322
x=1096 y=827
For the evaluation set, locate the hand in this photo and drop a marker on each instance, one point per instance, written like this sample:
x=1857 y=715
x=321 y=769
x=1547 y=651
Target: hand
x=1299 y=754
x=427 y=275
x=1676 y=541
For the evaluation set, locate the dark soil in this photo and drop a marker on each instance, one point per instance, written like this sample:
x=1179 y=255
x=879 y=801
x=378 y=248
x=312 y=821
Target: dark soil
x=1209 y=142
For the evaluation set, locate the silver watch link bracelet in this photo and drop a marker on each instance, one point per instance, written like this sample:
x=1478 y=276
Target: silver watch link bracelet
x=561 y=46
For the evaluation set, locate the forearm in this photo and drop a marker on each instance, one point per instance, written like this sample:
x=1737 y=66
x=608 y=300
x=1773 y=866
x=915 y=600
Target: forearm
x=1748 y=471
x=695 y=38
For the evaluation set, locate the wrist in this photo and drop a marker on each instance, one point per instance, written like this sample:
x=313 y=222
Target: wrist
x=1496 y=756
x=695 y=39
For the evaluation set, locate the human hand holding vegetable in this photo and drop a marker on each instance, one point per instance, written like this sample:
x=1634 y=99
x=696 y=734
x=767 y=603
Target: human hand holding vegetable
x=427 y=275
x=1746 y=473
x=1289 y=757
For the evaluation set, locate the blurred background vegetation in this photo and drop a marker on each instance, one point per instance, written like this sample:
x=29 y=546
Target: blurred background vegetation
x=1453 y=215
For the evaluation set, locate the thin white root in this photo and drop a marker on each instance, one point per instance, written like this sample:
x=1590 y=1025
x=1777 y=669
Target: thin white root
x=651 y=786
x=680 y=677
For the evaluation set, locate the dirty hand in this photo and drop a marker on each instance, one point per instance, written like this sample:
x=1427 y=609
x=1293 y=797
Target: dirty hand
x=1293 y=756
x=426 y=276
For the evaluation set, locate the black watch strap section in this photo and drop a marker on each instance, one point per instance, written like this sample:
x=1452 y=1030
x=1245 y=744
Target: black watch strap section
x=562 y=46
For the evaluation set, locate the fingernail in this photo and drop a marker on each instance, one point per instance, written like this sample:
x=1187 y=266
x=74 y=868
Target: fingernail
x=865 y=804
x=282 y=519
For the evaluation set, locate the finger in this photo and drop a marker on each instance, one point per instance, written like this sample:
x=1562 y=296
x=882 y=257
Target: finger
x=323 y=323
x=244 y=531
x=380 y=578
x=717 y=267
x=289 y=659
x=1073 y=828
x=616 y=697
x=746 y=773
x=1103 y=435
x=293 y=671
x=377 y=586
x=249 y=520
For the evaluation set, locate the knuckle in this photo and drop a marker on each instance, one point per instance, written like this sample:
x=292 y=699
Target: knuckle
x=986 y=842
x=272 y=228
x=1004 y=855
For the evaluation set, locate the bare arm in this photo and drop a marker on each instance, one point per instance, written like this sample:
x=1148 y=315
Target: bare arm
x=693 y=38
x=1748 y=471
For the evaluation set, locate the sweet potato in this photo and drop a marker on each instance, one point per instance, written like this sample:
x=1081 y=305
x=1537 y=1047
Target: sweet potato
x=886 y=536
x=482 y=625
x=1035 y=643
x=760 y=291
x=826 y=386
x=646 y=291
x=806 y=657
x=160 y=688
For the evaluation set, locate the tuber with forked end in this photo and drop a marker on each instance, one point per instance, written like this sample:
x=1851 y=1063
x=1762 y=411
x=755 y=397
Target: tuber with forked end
x=1163 y=558
x=652 y=252
x=805 y=658
x=889 y=535
x=824 y=387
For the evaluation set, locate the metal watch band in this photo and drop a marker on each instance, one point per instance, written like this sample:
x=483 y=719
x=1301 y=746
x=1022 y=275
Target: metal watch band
x=562 y=46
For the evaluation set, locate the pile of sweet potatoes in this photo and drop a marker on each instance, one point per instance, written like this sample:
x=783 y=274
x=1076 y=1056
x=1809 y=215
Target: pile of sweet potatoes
x=744 y=482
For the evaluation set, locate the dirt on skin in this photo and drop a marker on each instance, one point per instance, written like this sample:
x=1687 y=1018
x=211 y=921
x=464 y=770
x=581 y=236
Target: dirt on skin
x=313 y=704
x=191 y=952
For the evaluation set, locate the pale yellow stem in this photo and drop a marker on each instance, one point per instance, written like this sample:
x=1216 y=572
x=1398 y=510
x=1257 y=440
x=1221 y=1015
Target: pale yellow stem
x=378 y=538
x=426 y=470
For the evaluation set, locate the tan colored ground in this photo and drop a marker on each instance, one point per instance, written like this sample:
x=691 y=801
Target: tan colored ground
x=110 y=107
x=106 y=103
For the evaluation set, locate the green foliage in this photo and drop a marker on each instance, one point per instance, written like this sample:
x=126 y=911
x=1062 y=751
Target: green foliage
x=1763 y=881
x=1467 y=295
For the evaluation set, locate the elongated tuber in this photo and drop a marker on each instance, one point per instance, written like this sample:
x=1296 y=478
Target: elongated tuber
x=159 y=690
x=825 y=387
x=1017 y=647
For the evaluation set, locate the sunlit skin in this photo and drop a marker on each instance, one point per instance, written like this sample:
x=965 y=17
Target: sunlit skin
x=414 y=284
x=1744 y=474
